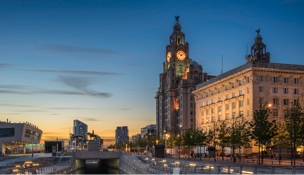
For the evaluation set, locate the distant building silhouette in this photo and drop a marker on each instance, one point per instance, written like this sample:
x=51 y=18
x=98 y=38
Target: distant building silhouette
x=122 y=135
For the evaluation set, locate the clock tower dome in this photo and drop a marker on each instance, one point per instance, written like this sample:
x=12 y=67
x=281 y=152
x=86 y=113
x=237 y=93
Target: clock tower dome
x=177 y=52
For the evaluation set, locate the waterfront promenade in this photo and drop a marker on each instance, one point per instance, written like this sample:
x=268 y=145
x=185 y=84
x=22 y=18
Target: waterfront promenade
x=209 y=166
x=40 y=163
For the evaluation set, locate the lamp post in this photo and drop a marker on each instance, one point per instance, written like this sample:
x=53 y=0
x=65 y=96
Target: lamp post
x=179 y=140
x=32 y=138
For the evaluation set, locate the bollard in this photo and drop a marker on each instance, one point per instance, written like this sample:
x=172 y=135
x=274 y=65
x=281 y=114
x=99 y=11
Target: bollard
x=293 y=170
x=272 y=170
x=255 y=170
x=228 y=169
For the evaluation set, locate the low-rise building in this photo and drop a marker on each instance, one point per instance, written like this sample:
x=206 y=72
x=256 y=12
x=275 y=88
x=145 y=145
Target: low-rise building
x=15 y=136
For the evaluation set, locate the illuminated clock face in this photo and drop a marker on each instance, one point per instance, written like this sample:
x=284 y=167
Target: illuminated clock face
x=168 y=56
x=181 y=55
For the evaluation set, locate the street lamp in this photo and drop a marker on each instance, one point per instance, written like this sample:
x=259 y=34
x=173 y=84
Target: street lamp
x=32 y=139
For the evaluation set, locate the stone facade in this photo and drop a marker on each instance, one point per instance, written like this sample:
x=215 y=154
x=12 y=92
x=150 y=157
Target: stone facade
x=241 y=91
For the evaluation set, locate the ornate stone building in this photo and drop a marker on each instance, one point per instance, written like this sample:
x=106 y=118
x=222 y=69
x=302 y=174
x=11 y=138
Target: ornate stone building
x=175 y=107
x=242 y=90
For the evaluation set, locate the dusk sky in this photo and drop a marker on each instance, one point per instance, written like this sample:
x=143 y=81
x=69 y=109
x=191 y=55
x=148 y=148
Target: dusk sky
x=99 y=61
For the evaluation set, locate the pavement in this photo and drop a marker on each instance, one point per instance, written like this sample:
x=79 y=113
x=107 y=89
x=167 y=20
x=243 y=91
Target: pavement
x=22 y=158
x=269 y=166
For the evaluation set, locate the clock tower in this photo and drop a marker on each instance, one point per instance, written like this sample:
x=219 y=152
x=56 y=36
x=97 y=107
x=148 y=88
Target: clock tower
x=174 y=100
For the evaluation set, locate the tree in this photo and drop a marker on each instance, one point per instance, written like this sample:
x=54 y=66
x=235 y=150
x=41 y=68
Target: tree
x=178 y=141
x=277 y=140
x=294 y=119
x=189 y=138
x=223 y=136
x=262 y=129
x=200 y=139
x=241 y=134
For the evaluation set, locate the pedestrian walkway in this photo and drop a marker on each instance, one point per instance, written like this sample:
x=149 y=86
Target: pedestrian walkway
x=206 y=165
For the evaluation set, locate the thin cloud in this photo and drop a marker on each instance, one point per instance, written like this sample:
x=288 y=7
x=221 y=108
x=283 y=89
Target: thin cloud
x=14 y=105
x=81 y=84
x=2 y=65
x=77 y=72
x=90 y=119
x=69 y=108
x=64 y=48
x=77 y=84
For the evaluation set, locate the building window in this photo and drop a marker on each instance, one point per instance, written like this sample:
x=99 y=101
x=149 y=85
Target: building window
x=227 y=87
x=248 y=90
x=286 y=101
x=219 y=118
x=234 y=114
x=275 y=101
x=227 y=96
x=234 y=85
x=241 y=103
x=260 y=89
x=260 y=78
x=285 y=90
x=241 y=114
x=227 y=116
x=275 y=79
x=248 y=101
x=219 y=98
x=227 y=106
x=296 y=102
x=233 y=94
x=207 y=111
x=233 y=105
x=296 y=81
x=220 y=109
x=261 y=101
x=296 y=91
x=275 y=90
x=212 y=111
x=285 y=80
x=241 y=92
x=275 y=112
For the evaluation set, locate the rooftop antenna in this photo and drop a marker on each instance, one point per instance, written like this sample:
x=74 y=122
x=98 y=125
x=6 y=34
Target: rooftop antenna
x=222 y=65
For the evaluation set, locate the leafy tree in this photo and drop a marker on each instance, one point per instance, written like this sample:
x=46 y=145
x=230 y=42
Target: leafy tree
x=262 y=129
x=189 y=138
x=241 y=134
x=223 y=136
x=294 y=119
x=200 y=139
x=178 y=141
x=277 y=140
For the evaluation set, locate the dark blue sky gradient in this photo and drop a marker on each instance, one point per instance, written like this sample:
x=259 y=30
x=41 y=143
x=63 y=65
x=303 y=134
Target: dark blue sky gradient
x=101 y=60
